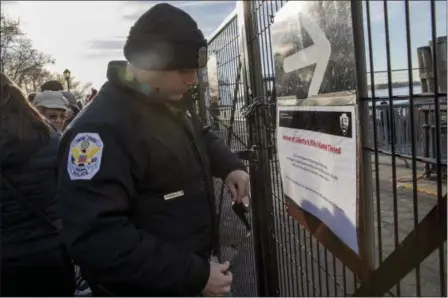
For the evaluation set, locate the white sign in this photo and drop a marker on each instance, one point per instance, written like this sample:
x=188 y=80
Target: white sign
x=317 y=154
x=318 y=53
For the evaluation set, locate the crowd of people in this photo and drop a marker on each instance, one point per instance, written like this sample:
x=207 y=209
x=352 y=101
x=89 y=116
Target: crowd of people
x=32 y=251
x=57 y=105
x=31 y=127
x=122 y=191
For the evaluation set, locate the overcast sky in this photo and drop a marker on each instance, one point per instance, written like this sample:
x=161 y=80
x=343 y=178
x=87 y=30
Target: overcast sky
x=84 y=36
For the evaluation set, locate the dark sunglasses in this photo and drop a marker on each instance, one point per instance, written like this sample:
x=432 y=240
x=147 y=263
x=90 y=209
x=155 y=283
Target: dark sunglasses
x=57 y=116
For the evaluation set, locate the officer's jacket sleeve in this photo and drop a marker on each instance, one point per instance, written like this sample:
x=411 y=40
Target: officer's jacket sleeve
x=94 y=203
x=222 y=159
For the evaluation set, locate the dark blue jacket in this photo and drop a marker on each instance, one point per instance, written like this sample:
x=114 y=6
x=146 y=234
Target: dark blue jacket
x=136 y=193
x=31 y=167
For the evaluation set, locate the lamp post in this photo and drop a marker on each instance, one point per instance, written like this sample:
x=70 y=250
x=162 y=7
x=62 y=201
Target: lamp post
x=67 y=75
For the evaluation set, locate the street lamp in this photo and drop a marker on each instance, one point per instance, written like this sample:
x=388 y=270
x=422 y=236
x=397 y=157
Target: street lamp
x=67 y=75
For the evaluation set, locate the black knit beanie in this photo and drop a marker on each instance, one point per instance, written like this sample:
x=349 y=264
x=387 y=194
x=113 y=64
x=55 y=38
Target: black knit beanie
x=52 y=86
x=166 y=38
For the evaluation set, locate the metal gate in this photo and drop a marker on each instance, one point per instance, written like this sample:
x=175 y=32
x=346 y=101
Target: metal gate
x=236 y=244
x=404 y=146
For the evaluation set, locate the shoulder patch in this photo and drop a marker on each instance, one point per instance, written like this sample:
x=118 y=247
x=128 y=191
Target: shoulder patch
x=84 y=158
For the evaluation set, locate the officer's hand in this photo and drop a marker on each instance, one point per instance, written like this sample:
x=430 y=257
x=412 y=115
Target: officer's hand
x=219 y=281
x=238 y=184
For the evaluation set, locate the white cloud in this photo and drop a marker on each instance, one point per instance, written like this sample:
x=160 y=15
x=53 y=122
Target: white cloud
x=84 y=36
x=203 y=3
x=9 y=3
x=148 y=4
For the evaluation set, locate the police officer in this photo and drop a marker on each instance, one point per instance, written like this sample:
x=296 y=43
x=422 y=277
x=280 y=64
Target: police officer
x=135 y=179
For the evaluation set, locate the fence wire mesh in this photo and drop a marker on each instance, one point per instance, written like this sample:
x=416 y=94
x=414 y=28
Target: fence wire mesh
x=305 y=267
x=407 y=133
x=225 y=55
x=407 y=145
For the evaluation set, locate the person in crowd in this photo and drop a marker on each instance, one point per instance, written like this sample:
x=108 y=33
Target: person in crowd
x=31 y=96
x=79 y=104
x=54 y=107
x=34 y=260
x=135 y=184
x=73 y=105
x=73 y=108
x=52 y=85
x=92 y=95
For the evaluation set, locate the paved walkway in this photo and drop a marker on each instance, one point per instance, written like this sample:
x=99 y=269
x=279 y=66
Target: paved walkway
x=430 y=277
x=404 y=175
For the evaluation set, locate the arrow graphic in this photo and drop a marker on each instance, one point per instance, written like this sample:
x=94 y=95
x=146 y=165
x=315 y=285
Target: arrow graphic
x=318 y=53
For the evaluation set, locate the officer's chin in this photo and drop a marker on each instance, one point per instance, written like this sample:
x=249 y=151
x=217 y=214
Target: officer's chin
x=175 y=97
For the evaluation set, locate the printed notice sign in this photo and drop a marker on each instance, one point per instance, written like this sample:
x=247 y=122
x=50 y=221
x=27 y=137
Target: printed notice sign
x=317 y=154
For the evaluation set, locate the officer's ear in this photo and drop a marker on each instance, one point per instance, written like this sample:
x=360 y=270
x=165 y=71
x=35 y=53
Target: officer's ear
x=142 y=75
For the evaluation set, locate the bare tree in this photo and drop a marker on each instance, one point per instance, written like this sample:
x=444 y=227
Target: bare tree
x=20 y=60
x=25 y=65
x=77 y=88
x=35 y=78
x=9 y=31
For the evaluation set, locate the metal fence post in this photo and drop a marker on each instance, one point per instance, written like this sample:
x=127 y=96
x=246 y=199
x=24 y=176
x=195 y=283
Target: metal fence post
x=442 y=65
x=425 y=68
x=262 y=201
x=362 y=91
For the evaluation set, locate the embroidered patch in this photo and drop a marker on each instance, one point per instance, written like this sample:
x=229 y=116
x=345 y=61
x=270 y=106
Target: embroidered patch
x=85 y=154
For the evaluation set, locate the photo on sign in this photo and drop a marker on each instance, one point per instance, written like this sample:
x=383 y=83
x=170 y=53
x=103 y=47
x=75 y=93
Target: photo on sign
x=313 y=50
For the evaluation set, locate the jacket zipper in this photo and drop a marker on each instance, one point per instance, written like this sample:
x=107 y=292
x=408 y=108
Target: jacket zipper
x=205 y=172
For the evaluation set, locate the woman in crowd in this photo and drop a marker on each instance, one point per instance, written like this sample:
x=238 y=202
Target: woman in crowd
x=54 y=107
x=34 y=261
x=31 y=96
x=73 y=107
x=92 y=95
